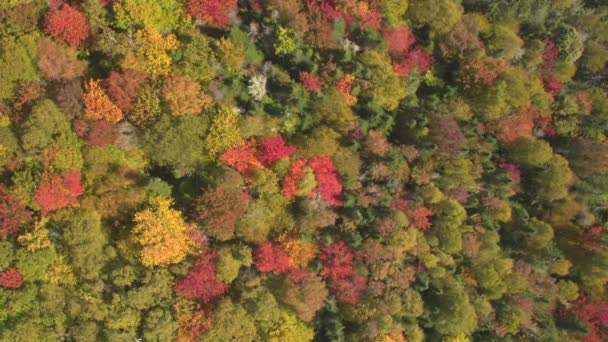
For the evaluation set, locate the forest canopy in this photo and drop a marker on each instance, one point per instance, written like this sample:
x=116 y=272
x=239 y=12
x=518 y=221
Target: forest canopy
x=304 y=170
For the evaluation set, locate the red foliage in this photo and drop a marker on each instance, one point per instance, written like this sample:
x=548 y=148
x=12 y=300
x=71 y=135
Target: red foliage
x=550 y=55
x=81 y=128
x=55 y=193
x=512 y=169
x=337 y=260
x=546 y=124
x=290 y=182
x=552 y=85
x=213 y=12
x=518 y=126
x=481 y=71
x=349 y=291
x=312 y=83
x=272 y=149
x=11 y=279
x=271 y=258
x=122 y=88
x=328 y=182
x=242 y=157
x=297 y=275
x=201 y=282
x=419 y=218
x=344 y=86
x=67 y=25
x=13 y=215
x=102 y=133
x=595 y=314
x=416 y=59
x=371 y=19
x=591 y=239
x=398 y=40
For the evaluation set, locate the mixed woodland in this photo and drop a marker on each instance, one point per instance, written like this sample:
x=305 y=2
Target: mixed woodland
x=304 y=170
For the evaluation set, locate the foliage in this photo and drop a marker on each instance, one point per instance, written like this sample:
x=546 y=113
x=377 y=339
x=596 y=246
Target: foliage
x=223 y=132
x=162 y=234
x=98 y=105
x=67 y=25
x=201 y=281
x=215 y=13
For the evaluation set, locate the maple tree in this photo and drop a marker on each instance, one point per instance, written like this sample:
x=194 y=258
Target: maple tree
x=337 y=260
x=311 y=83
x=328 y=182
x=11 y=279
x=398 y=40
x=67 y=25
x=271 y=258
x=273 y=148
x=300 y=252
x=213 y=12
x=122 y=88
x=98 y=105
x=56 y=192
x=58 y=62
x=349 y=290
x=201 y=282
x=419 y=217
x=242 y=157
x=162 y=233
x=13 y=214
x=595 y=314
x=101 y=133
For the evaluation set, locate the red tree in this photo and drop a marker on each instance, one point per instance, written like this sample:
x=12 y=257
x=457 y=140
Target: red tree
x=213 y=12
x=201 y=282
x=242 y=157
x=272 y=149
x=218 y=211
x=591 y=239
x=290 y=182
x=512 y=169
x=101 y=133
x=419 y=218
x=312 y=83
x=398 y=40
x=122 y=88
x=328 y=182
x=11 y=279
x=550 y=56
x=416 y=59
x=13 y=214
x=67 y=25
x=595 y=314
x=349 y=291
x=271 y=258
x=337 y=260
x=552 y=85
x=55 y=192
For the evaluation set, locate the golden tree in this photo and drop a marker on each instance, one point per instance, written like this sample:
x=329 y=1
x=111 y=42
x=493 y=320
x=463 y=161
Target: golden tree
x=98 y=105
x=162 y=233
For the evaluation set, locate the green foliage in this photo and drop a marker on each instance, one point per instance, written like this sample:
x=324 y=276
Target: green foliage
x=18 y=62
x=163 y=15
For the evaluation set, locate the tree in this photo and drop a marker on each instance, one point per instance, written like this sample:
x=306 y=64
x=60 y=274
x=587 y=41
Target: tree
x=337 y=260
x=553 y=180
x=393 y=10
x=218 y=211
x=11 y=279
x=98 y=105
x=58 y=62
x=311 y=82
x=18 y=60
x=67 y=25
x=214 y=13
x=349 y=290
x=398 y=40
x=305 y=297
x=201 y=281
x=150 y=54
x=122 y=88
x=242 y=157
x=455 y=314
x=14 y=216
x=101 y=133
x=56 y=192
x=273 y=148
x=530 y=151
x=184 y=96
x=419 y=217
x=441 y=16
x=271 y=258
x=162 y=234
x=223 y=132
x=163 y=16
x=386 y=88
x=231 y=322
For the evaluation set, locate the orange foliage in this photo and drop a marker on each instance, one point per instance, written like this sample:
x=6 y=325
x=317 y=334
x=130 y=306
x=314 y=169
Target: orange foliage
x=300 y=252
x=98 y=105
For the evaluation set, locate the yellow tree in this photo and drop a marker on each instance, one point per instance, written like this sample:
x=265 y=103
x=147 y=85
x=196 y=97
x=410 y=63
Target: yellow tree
x=151 y=54
x=162 y=233
x=223 y=133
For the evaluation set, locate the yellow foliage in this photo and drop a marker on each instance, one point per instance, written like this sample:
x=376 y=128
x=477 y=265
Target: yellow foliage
x=300 y=252
x=162 y=233
x=60 y=274
x=224 y=132
x=151 y=55
x=230 y=55
x=459 y=338
x=37 y=238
